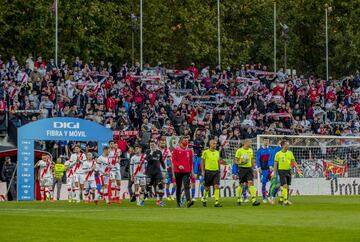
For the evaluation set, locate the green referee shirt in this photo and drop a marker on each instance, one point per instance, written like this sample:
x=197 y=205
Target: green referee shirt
x=211 y=159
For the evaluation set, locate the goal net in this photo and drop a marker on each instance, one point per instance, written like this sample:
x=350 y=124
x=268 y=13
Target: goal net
x=316 y=156
x=326 y=157
x=322 y=156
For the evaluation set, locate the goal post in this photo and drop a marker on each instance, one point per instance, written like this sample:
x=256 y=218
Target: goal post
x=321 y=156
x=324 y=157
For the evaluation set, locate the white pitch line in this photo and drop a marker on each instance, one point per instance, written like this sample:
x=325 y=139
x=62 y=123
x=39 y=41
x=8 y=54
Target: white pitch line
x=47 y=210
x=88 y=210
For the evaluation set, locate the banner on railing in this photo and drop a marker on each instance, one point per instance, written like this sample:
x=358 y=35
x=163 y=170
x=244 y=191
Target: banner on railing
x=126 y=133
x=27 y=111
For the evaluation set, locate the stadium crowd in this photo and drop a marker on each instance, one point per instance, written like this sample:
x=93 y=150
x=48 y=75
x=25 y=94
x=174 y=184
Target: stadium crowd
x=143 y=105
x=229 y=104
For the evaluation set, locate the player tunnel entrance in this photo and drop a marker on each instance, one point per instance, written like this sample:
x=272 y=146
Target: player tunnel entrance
x=68 y=129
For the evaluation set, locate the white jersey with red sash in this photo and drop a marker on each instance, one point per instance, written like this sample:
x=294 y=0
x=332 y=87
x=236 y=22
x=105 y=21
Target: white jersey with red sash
x=137 y=165
x=45 y=169
x=70 y=177
x=78 y=160
x=103 y=165
x=114 y=158
x=70 y=169
x=88 y=169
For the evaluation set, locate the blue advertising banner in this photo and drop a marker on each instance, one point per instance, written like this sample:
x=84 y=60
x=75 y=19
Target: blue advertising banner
x=26 y=170
x=69 y=129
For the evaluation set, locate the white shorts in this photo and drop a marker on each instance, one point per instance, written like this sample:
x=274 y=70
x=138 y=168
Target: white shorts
x=70 y=181
x=165 y=177
x=90 y=184
x=140 y=180
x=115 y=175
x=80 y=178
x=46 y=182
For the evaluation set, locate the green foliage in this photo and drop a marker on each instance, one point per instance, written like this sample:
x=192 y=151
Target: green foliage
x=177 y=32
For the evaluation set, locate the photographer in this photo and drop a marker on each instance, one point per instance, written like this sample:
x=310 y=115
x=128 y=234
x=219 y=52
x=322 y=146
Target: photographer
x=6 y=175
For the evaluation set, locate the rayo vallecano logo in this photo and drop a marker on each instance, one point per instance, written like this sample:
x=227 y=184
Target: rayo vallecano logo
x=66 y=125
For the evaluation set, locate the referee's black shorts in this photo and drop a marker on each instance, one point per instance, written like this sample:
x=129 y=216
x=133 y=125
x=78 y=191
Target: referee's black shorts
x=285 y=177
x=154 y=179
x=212 y=178
x=245 y=174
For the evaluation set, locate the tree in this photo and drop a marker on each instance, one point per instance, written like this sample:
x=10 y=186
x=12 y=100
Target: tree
x=179 y=32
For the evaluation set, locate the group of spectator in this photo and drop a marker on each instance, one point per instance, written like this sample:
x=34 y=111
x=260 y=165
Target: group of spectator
x=227 y=103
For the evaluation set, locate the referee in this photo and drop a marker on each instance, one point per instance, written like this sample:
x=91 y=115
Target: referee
x=283 y=161
x=210 y=169
x=244 y=158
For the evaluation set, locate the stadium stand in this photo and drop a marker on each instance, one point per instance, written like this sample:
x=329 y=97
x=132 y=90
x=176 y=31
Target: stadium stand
x=230 y=104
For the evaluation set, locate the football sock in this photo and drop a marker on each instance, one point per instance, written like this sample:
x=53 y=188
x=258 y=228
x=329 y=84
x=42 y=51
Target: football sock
x=84 y=194
x=244 y=192
x=206 y=193
x=192 y=192
x=47 y=195
x=73 y=194
x=263 y=191
x=202 y=188
x=69 y=193
x=217 y=195
x=118 y=192
x=42 y=193
x=96 y=195
x=51 y=193
x=285 y=194
x=77 y=194
x=252 y=193
x=106 y=194
x=137 y=197
x=276 y=190
x=239 y=192
x=91 y=197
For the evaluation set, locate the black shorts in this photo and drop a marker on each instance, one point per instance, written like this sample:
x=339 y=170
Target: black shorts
x=285 y=177
x=154 y=179
x=212 y=178
x=245 y=174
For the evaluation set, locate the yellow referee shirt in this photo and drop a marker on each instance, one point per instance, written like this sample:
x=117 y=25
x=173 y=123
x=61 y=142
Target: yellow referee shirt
x=211 y=159
x=245 y=157
x=284 y=159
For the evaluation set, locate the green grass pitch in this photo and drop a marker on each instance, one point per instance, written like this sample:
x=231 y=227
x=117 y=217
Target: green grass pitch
x=310 y=218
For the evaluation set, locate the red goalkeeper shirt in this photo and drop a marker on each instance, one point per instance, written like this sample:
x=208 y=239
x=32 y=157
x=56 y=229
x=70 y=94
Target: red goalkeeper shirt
x=182 y=157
